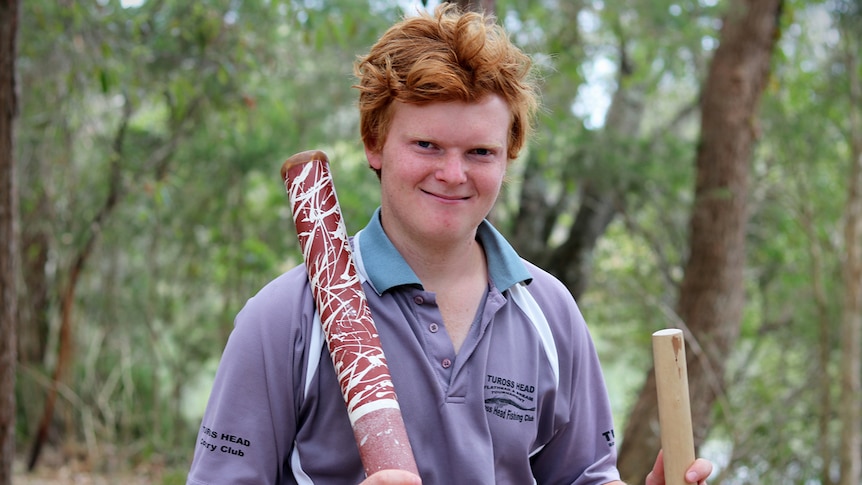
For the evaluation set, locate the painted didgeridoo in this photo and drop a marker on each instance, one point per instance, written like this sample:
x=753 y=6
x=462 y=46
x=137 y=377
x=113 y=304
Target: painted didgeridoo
x=350 y=333
x=674 y=406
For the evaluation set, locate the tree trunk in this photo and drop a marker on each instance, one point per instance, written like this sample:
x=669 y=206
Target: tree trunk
x=8 y=236
x=824 y=343
x=540 y=204
x=711 y=295
x=850 y=407
x=600 y=202
x=65 y=353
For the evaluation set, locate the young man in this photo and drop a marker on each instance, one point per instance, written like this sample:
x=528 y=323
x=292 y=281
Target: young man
x=495 y=370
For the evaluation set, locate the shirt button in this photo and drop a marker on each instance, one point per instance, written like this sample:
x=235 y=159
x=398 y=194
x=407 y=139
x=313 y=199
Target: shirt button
x=418 y=300
x=433 y=328
x=446 y=363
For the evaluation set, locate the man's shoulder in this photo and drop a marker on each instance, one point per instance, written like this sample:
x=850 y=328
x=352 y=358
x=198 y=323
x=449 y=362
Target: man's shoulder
x=546 y=283
x=555 y=301
x=283 y=298
x=290 y=284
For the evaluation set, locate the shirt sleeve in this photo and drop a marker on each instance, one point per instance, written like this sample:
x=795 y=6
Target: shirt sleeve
x=249 y=425
x=583 y=449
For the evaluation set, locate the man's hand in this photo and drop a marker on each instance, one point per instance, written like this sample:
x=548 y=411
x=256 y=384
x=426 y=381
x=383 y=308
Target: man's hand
x=392 y=477
x=697 y=473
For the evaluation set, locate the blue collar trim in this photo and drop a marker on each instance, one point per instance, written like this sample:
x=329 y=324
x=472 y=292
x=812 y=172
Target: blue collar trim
x=382 y=264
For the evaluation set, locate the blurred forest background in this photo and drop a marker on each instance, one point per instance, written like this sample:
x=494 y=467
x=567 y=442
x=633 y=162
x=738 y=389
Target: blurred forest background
x=668 y=185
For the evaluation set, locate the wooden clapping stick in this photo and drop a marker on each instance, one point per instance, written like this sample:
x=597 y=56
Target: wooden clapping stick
x=350 y=332
x=674 y=408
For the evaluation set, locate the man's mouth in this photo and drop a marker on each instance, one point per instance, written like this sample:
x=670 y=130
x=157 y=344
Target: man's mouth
x=449 y=197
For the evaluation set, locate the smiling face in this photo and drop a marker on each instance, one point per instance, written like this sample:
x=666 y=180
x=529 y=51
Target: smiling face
x=441 y=168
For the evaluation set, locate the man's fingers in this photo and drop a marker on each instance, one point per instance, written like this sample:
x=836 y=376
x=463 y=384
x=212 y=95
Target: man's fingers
x=699 y=471
x=392 y=477
x=656 y=476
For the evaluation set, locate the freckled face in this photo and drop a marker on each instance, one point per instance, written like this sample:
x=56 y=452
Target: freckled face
x=442 y=166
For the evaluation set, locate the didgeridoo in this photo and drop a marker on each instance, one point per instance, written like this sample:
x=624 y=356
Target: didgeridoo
x=674 y=407
x=350 y=333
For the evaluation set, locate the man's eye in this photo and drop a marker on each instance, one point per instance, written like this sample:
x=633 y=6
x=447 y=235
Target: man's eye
x=482 y=151
x=424 y=144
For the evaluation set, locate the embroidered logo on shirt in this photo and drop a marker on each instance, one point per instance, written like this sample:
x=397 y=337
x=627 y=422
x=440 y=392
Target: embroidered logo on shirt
x=212 y=440
x=609 y=436
x=509 y=399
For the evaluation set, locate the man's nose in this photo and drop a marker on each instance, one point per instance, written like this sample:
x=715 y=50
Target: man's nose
x=452 y=169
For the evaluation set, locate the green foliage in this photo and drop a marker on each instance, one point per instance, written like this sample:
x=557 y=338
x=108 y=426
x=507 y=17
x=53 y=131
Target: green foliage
x=200 y=102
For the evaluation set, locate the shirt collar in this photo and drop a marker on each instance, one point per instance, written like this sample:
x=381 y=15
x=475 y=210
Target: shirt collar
x=383 y=266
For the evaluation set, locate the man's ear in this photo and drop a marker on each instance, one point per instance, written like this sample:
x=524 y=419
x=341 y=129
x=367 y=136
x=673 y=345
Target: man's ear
x=374 y=157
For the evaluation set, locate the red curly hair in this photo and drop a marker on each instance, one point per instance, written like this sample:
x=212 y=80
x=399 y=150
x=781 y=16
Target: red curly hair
x=450 y=56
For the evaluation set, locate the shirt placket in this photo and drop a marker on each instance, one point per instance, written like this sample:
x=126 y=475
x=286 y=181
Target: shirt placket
x=436 y=342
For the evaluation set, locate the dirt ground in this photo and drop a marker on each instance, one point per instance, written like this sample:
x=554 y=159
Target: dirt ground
x=51 y=472
x=66 y=476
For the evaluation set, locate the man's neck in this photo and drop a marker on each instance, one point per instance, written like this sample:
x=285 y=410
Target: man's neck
x=437 y=266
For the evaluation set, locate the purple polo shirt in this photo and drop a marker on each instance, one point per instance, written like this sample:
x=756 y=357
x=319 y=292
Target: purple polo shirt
x=524 y=400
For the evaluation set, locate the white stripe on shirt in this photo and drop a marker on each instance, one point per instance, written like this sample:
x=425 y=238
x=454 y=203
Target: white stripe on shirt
x=525 y=301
